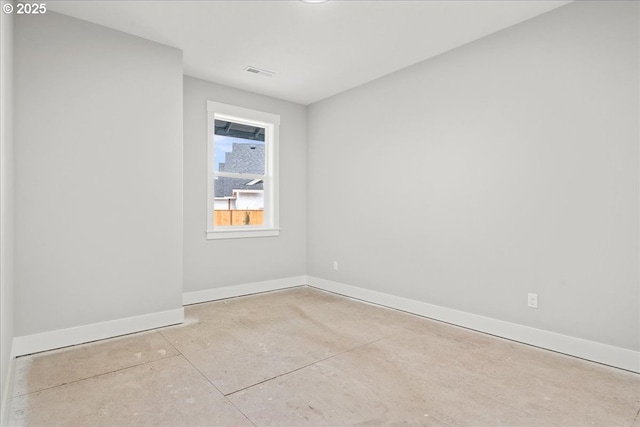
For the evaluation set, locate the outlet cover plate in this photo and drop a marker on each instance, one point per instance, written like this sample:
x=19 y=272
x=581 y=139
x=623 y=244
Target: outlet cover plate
x=532 y=300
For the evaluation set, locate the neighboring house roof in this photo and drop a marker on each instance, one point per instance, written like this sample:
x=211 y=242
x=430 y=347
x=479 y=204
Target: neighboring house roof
x=245 y=158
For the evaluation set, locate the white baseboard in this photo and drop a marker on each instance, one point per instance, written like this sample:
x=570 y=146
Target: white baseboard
x=584 y=349
x=28 y=344
x=240 y=290
x=7 y=392
x=590 y=350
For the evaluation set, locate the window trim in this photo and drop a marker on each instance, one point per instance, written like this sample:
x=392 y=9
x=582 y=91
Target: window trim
x=271 y=122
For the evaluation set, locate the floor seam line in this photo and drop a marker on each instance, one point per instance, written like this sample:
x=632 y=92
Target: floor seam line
x=207 y=378
x=240 y=410
x=302 y=367
x=195 y=367
x=94 y=376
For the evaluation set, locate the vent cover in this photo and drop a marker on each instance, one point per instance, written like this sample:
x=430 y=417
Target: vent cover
x=258 y=71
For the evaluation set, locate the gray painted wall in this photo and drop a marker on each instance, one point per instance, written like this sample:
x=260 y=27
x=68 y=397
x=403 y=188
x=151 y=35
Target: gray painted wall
x=212 y=264
x=512 y=164
x=6 y=198
x=98 y=160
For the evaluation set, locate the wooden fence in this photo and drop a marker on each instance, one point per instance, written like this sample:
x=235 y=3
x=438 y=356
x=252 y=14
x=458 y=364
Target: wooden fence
x=239 y=217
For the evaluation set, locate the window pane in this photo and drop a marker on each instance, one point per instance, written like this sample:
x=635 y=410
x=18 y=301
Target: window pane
x=238 y=202
x=227 y=187
x=238 y=217
x=239 y=148
x=242 y=181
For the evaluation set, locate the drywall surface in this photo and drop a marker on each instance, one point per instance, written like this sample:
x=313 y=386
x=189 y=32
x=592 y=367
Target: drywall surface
x=210 y=264
x=98 y=156
x=6 y=198
x=505 y=167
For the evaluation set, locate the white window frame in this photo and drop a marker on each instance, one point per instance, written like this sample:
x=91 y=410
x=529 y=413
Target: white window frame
x=271 y=124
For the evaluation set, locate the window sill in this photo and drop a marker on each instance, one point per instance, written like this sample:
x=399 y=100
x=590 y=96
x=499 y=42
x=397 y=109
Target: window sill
x=242 y=234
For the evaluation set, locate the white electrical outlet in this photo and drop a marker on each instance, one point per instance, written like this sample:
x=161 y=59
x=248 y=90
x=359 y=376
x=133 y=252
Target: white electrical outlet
x=532 y=300
x=335 y=265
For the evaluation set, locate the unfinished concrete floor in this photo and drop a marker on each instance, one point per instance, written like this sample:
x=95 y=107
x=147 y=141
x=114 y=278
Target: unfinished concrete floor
x=306 y=357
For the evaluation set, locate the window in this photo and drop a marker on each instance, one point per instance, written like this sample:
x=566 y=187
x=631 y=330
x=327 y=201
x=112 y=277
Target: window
x=242 y=183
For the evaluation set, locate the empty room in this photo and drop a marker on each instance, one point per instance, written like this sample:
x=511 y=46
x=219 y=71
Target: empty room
x=320 y=213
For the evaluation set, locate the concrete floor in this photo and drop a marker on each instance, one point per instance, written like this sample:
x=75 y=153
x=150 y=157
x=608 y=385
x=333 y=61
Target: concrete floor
x=306 y=357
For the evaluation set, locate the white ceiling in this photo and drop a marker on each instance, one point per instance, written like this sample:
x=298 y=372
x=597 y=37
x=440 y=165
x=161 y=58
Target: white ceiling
x=316 y=50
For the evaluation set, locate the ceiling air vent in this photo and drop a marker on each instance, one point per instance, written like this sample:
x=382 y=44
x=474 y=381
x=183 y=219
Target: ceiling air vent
x=258 y=71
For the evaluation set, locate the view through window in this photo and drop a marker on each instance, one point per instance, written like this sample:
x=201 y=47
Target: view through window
x=239 y=149
x=241 y=171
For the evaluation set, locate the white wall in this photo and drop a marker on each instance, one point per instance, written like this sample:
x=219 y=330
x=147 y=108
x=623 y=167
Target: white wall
x=98 y=182
x=210 y=264
x=6 y=201
x=523 y=147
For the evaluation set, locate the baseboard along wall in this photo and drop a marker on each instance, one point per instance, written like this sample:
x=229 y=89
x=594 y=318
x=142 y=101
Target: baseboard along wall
x=244 y=289
x=50 y=340
x=590 y=350
x=572 y=346
x=7 y=392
